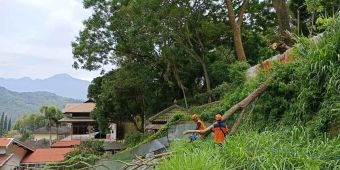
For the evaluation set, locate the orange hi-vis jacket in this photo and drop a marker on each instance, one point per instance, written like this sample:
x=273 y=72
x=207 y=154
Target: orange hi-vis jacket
x=220 y=130
x=200 y=125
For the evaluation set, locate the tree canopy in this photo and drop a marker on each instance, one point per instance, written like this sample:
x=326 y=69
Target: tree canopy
x=167 y=50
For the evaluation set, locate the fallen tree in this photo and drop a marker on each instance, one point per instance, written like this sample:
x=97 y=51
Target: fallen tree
x=239 y=106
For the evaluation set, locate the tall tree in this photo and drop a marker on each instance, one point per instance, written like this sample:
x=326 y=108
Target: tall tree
x=9 y=124
x=236 y=23
x=282 y=14
x=52 y=115
x=2 y=123
x=284 y=21
x=5 y=125
x=139 y=31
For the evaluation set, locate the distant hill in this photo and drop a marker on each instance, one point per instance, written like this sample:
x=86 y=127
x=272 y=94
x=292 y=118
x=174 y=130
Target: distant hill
x=15 y=104
x=61 y=84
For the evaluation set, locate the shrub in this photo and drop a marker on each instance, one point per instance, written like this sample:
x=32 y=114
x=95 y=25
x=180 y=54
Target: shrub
x=134 y=138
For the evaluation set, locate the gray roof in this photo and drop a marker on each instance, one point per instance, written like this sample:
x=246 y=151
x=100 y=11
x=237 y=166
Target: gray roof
x=166 y=114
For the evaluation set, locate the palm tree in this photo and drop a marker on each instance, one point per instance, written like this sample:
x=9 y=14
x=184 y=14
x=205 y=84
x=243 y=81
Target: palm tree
x=52 y=115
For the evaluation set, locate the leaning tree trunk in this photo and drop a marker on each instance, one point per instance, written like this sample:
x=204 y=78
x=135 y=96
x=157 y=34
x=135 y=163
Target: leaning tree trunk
x=180 y=84
x=241 y=105
x=207 y=79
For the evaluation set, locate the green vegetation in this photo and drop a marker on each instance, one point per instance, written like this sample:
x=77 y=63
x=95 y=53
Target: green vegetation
x=87 y=153
x=294 y=124
x=5 y=124
x=304 y=91
x=17 y=104
x=289 y=148
x=27 y=123
x=134 y=139
x=192 y=52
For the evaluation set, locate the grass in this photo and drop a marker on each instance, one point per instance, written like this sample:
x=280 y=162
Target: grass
x=290 y=148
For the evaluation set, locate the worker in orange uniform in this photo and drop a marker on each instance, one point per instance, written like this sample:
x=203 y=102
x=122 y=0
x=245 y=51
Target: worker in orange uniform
x=199 y=126
x=220 y=130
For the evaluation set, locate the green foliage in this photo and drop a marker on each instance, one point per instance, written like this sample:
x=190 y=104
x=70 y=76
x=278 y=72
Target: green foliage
x=17 y=104
x=28 y=123
x=304 y=91
x=170 y=51
x=289 y=148
x=230 y=98
x=237 y=73
x=89 y=147
x=323 y=23
x=52 y=114
x=84 y=156
x=133 y=139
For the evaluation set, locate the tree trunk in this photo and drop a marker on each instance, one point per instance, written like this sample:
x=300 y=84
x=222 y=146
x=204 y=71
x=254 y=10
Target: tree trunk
x=241 y=105
x=207 y=79
x=236 y=26
x=57 y=130
x=180 y=84
x=140 y=129
x=238 y=121
x=49 y=131
x=283 y=19
x=282 y=15
x=185 y=40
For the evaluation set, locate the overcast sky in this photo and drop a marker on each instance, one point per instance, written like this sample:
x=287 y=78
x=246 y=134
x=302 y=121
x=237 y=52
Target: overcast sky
x=36 y=36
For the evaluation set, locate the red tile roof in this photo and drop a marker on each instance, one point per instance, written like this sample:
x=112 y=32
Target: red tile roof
x=79 y=107
x=4 y=142
x=66 y=144
x=43 y=155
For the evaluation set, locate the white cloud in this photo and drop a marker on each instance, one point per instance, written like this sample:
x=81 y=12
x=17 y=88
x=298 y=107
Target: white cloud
x=36 y=36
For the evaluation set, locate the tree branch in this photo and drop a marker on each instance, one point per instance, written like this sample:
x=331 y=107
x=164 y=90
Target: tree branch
x=241 y=13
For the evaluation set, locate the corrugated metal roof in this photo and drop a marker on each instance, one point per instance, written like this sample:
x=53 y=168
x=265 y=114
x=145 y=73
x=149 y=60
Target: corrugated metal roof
x=44 y=155
x=165 y=114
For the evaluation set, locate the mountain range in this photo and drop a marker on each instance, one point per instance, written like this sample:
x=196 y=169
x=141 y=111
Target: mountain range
x=14 y=104
x=60 y=84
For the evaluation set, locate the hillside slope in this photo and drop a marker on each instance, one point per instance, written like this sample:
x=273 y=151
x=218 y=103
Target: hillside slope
x=294 y=124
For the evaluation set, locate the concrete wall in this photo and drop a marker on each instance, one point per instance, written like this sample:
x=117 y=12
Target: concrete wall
x=44 y=136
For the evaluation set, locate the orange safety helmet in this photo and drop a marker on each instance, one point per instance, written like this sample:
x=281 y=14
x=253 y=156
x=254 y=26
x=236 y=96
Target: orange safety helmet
x=218 y=117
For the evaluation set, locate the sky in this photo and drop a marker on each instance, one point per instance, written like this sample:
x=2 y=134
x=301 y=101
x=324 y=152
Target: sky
x=36 y=36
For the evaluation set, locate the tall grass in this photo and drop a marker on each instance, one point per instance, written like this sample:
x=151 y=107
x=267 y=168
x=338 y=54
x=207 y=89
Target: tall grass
x=284 y=149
